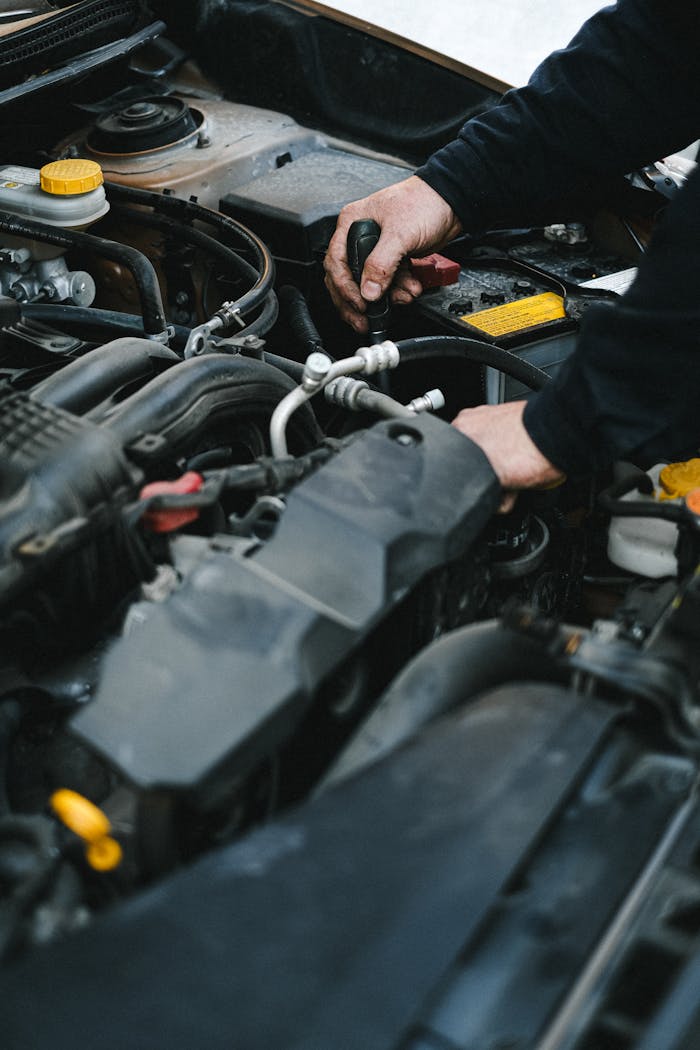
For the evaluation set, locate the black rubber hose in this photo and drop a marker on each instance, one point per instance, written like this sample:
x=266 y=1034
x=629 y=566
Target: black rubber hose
x=434 y=346
x=109 y=323
x=266 y=319
x=610 y=500
x=638 y=480
x=10 y=715
x=295 y=311
x=189 y=235
x=96 y=375
x=144 y=275
x=293 y=369
x=189 y=211
x=449 y=672
x=192 y=395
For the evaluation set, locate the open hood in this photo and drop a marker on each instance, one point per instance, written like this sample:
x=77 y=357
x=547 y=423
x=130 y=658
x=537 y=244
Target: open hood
x=496 y=42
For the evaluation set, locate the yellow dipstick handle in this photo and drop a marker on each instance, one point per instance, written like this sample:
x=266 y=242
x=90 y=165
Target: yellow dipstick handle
x=88 y=822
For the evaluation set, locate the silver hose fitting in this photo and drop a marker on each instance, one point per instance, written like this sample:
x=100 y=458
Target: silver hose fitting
x=433 y=401
x=380 y=357
x=316 y=369
x=199 y=337
x=344 y=391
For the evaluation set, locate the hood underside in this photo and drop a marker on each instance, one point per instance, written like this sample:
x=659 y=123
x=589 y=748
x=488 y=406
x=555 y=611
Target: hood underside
x=498 y=43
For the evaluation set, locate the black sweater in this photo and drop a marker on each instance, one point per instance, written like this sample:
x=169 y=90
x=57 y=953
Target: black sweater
x=624 y=93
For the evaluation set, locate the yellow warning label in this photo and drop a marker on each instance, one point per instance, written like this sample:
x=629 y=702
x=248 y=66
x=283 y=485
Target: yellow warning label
x=513 y=317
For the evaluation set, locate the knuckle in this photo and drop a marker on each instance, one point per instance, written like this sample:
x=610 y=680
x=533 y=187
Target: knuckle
x=347 y=213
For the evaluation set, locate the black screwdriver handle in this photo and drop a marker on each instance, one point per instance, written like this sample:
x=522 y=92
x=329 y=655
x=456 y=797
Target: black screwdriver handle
x=362 y=238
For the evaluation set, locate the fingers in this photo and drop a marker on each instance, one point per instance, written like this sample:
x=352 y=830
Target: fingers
x=381 y=265
x=339 y=279
x=385 y=269
x=500 y=433
x=507 y=502
x=351 y=313
x=406 y=288
x=412 y=218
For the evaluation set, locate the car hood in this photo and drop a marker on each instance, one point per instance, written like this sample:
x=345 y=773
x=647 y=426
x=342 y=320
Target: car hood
x=495 y=42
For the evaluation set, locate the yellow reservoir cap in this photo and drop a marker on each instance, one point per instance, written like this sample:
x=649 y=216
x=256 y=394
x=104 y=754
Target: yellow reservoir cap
x=678 y=479
x=89 y=823
x=64 y=178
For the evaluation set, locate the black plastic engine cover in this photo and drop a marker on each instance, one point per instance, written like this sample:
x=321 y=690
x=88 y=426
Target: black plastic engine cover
x=295 y=208
x=215 y=676
x=328 y=929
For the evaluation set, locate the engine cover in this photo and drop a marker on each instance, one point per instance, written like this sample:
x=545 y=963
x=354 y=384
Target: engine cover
x=216 y=674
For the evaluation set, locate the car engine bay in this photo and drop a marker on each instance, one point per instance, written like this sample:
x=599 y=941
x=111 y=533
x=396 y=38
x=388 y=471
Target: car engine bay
x=245 y=562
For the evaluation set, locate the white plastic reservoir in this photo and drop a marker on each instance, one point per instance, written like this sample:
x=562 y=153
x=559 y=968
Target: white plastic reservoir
x=644 y=546
x=67 y=193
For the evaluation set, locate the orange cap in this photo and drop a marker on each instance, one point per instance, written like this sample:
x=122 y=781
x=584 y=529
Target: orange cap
x=678 y=479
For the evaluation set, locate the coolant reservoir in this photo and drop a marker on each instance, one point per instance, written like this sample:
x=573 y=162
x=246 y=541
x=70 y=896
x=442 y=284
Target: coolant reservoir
x=647 y=546
x=67 y=193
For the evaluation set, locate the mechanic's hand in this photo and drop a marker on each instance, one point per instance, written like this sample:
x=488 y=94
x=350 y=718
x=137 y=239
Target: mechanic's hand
x=499 y=431
x=414 y=219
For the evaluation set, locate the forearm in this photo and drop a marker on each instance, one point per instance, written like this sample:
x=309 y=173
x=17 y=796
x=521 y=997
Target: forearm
x=623 y=93
x=632 y=387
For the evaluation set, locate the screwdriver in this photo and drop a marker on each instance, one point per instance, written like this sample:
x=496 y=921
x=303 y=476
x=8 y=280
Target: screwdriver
x=362 y=238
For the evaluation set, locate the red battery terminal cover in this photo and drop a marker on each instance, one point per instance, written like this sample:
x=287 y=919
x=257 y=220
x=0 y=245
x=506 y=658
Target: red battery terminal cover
x=435 y=271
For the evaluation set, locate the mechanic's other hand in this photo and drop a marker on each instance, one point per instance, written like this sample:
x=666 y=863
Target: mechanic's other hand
x=414 y=220
x=499 y=431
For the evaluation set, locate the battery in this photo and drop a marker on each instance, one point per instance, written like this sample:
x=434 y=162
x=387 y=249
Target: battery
x=532 y=311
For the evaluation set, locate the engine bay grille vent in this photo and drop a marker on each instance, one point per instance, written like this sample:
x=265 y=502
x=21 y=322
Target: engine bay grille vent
x=82 y=28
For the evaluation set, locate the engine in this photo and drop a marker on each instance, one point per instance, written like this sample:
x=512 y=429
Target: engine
x=229 y=533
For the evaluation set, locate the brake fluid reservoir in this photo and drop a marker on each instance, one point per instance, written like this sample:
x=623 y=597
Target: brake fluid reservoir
x=67 y=193
x=647 y=546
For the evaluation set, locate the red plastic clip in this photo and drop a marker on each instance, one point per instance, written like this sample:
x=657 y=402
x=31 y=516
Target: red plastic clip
x=174 y=517
x=435 y=271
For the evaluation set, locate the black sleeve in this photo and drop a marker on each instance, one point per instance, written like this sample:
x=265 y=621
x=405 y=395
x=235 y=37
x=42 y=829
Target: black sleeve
x=632 y=387
x=624 y=93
